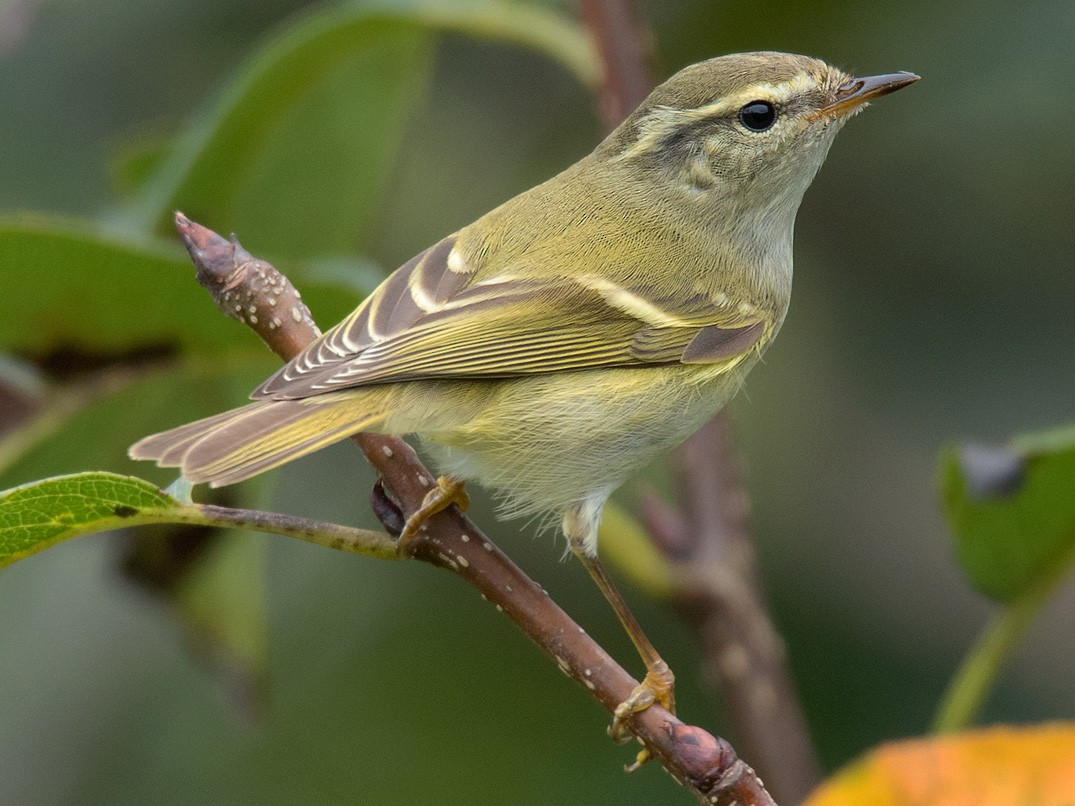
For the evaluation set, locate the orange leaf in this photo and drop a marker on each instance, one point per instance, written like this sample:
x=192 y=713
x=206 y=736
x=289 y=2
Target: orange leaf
x=993 y=767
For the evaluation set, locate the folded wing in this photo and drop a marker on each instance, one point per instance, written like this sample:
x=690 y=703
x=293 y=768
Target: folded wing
x=435 y=318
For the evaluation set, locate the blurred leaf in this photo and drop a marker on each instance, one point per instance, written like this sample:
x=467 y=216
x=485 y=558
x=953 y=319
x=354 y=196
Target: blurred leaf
x=89 y=423
x=999 y=766
x=625 y=544
x=52 y=412
x=1012 y=511
x=136 y=160
x=1052 y=441
x=79 y=300
x=296 y=150
x=69 y=288
x=361 y=275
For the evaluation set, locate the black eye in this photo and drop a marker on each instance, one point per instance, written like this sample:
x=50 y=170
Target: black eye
x=758 y=115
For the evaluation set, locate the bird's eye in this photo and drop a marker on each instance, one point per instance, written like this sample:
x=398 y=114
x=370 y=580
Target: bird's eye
x=758 y=115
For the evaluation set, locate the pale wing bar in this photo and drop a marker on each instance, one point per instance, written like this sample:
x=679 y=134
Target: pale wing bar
x=427 y=321
x=430 y=278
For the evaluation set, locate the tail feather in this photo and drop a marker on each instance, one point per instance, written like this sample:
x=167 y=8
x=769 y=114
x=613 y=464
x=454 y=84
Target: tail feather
x=237 y=444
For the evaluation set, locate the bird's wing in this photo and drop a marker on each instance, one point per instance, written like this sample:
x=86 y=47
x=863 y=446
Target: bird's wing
x=432 y=318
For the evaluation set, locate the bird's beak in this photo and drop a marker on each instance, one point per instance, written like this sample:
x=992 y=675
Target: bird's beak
x=858 y=91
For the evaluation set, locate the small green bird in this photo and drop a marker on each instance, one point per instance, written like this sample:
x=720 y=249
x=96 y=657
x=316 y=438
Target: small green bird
x=568 y=337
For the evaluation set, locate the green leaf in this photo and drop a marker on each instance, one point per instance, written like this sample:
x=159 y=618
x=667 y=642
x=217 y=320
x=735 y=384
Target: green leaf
x=1012 y=511
x=90 y=422
x=68 y=286
x=217 y=592
x=39 y=515
x=295 y=152
x=136 y=160
x=625 y=545
x=1052 y=441
x=136 y=310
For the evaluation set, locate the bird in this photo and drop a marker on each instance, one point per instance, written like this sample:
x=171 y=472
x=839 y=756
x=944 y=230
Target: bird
x=579 y=330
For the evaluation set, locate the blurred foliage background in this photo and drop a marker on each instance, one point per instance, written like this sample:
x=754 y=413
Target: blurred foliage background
x=933 y=302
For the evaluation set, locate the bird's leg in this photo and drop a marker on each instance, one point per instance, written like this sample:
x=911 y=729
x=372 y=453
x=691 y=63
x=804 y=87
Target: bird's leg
x=447 y=492
x=658 y=685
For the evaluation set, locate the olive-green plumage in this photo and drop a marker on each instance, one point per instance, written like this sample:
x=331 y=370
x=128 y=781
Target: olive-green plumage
x=580 y=329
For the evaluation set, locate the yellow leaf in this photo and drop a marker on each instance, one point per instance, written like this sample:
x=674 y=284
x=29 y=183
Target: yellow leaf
x=993 y=767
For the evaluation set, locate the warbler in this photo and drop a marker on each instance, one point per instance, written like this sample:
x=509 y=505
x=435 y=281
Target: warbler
x=579 y=330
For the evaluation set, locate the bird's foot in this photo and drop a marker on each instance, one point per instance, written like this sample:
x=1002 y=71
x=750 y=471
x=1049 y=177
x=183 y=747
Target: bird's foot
x=447 y=492
x=657 y=687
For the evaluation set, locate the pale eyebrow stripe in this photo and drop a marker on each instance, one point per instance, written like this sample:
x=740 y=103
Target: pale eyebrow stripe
x=662 y=120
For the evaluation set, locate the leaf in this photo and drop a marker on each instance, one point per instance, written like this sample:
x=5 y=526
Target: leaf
x=77 y=299
x=217 y=590
x=41 y=514
x=998 y=766
x=52 y=412
x=296 y=150
x=35 y=516
x=625 y=545
x=1012 y=510
x=90 y=422
x=69 y=287
x=136 y=160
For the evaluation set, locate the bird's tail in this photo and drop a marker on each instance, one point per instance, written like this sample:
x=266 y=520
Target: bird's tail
x=243 y=442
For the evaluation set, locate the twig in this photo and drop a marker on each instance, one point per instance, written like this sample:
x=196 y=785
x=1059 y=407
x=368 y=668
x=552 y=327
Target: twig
x=709 y=545
x=978 y=672
x=242 y=285
x=624 y=47
x=332 y=535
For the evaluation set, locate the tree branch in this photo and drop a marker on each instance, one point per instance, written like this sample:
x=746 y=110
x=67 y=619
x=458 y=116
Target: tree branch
x=331 y=535
x=256 y=293
x=708 y=545
x=625 y=49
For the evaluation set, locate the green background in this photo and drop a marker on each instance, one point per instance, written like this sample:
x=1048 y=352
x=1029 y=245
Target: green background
x=934 y=301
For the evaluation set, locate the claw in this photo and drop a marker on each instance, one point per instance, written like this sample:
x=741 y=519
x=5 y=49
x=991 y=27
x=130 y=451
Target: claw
x=447 y=492
x=658 y=686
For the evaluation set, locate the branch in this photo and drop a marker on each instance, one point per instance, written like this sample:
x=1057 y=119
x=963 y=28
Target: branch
x=709 y=546
x=625 y=50
x=968 y=689
x=256 y=293
x=331 y=535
